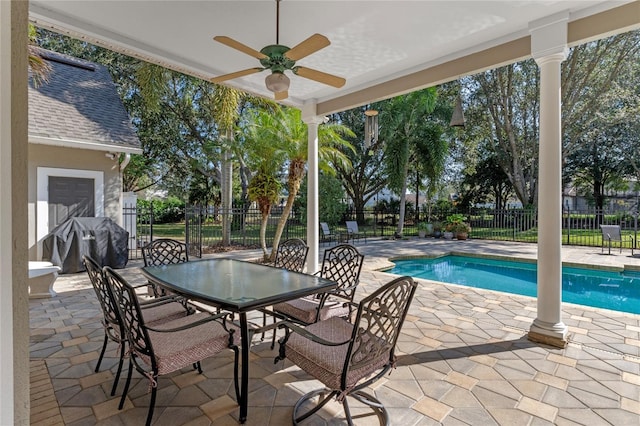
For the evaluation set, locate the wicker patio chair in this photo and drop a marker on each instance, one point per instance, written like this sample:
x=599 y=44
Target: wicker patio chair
x=171 y=346
x=341 y=264
x=163 y=251
x=347 y=357
x=155 y=311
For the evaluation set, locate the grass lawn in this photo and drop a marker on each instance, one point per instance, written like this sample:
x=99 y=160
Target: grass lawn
x=250 y=235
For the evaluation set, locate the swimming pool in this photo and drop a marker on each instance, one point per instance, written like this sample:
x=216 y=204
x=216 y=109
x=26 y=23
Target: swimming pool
x=619 y=291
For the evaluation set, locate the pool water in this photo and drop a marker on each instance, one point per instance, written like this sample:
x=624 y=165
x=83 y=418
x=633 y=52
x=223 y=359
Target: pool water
x=619 y=291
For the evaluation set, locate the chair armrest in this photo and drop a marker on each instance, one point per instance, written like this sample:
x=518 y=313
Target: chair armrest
x=291 y=327
x=160 y=301
x=143 y=285
x=343 y=290
x=215 y=317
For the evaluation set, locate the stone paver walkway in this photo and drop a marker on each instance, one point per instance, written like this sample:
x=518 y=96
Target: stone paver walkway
x=463 y=359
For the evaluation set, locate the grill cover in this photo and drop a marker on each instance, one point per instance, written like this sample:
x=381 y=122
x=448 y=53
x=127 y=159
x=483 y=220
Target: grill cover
x=98 y=237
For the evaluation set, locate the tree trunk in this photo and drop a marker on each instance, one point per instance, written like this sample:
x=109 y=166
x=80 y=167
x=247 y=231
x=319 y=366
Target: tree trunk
x=598 y=197
x=227 y=198
x=296 y=174
x=263 y=232
x=403 y=202
x=358 y=204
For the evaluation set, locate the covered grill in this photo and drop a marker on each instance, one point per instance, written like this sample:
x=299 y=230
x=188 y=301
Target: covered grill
x=97 y=237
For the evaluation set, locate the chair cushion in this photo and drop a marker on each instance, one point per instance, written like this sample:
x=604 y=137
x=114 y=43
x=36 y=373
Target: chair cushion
x=305 y=309
x=326 y=363
x=176 y=350
x=163 y=313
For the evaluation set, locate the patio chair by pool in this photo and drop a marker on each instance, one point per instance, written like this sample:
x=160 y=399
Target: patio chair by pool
x=611 y=234
x=162 y=349
x=341 y=264
x=291 y=255
x=155 y=311
x=325 y=233
x=347 y=357
x=353 y=233
x=163 y=251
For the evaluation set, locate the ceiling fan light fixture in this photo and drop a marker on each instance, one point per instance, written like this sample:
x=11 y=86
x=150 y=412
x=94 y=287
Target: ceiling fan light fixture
x=277 y=82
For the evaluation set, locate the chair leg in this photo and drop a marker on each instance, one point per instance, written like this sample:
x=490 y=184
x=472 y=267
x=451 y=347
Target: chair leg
x=126 y=385
x=117 y=378
x=374 y=403
x=152 y=403
x=347 y=412
x=104 y=348
x=273 y=337
x=308 y=396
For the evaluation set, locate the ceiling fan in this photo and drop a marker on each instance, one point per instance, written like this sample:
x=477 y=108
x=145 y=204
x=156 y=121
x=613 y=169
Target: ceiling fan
x=278 y=58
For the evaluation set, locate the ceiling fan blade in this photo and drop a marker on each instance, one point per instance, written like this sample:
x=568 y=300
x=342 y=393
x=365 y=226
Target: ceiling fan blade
x=279 y=96
x=236 y=74
x=320 y=76
x=239 y=46
x=307 y=47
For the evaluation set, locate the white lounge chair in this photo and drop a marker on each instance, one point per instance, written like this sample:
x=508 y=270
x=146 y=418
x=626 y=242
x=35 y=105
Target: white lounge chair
x=612 y=234
x=353 y=233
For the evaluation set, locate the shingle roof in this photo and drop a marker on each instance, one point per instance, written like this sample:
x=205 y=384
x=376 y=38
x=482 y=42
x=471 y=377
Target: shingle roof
x=79 y=103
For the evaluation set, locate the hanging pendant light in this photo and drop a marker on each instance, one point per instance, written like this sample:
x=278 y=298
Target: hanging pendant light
x=457 y=118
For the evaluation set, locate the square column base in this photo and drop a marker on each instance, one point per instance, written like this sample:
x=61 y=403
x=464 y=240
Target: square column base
x=558 y=340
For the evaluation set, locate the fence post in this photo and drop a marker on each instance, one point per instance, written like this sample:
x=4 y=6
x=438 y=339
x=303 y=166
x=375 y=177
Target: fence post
x=187 y=231
x=150 y=220
x=568 y=226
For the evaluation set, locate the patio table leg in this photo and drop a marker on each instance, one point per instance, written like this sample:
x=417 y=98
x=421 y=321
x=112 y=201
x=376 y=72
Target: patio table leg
x=244 y=379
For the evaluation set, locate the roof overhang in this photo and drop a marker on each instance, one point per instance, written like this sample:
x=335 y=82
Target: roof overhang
x=80 y=144
x=382 y=48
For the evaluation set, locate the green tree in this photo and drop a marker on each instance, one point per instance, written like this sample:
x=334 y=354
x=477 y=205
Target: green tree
x=485 y=182
x=290 y=132
x=331 y=206
x=38 y=67
x=266 y=156
x=509 y=97
x=412 y=135
x=364 y=178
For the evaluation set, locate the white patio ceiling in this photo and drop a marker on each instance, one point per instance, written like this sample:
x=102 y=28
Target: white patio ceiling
x=382 y=48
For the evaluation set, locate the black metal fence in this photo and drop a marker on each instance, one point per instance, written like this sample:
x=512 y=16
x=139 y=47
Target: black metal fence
x=202 y=228
x=138 y=221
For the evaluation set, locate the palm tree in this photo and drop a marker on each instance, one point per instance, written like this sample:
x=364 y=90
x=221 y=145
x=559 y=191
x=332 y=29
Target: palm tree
x=267 y=158
x=227 y=108
x=222 y=105
x=289 y=132
x=409 y=136
x=39 y=68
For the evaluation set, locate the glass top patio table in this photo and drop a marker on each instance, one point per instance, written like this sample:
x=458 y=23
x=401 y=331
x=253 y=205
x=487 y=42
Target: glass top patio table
x=240 y=287
x=236 y=285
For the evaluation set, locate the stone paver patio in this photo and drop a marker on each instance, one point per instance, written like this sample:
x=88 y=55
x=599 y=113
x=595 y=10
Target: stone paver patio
x=463 y=359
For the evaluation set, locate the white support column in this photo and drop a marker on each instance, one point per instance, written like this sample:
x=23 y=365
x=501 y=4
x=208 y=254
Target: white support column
x=313 y=217
x=549 y=49
x=14 y=302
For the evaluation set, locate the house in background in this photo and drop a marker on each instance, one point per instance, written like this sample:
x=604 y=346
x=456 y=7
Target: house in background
x=80 y=141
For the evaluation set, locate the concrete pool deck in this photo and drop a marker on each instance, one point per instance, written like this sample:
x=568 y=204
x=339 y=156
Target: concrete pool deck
x=463 y=358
